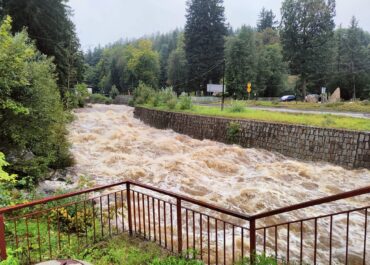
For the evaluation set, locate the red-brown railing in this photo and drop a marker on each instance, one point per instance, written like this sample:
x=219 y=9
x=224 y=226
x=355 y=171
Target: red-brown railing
x=58 y=226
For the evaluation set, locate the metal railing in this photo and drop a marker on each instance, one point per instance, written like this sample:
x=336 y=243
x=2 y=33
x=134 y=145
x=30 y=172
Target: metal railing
x=51 y=227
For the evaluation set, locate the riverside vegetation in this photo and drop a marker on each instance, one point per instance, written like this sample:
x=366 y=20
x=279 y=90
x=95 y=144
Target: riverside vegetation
x=166 y=99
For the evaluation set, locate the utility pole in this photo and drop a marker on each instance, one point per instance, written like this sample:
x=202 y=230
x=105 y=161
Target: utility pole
x=223 y=84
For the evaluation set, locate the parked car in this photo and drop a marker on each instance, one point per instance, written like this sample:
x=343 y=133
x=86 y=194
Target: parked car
x=288 y=98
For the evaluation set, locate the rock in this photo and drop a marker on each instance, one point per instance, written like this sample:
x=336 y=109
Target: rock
x=312 y=98
x=335 y=97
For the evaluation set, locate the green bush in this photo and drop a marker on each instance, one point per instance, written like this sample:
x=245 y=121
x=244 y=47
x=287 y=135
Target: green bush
x=237 y=106
x=32 y=117
x=171 y=104
x=233 y=130
x=114 y=92
x=185 y=102
x=143 y=94
x=175 y=261
x=11 y=259
x=7 y=183
x=100 y=99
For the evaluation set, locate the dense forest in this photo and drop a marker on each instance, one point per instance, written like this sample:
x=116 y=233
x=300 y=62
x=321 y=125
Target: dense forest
x=298 y=55
x=42 y=67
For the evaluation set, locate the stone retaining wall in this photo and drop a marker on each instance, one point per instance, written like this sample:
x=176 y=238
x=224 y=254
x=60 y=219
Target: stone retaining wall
x=349 y=149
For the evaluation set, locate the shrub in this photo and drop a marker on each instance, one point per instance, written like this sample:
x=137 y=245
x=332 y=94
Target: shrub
x=175 y=261
x=7 y=183
x=143 y=94
x=237 y=106
x=167 y=94
x=185 y=102
x=11 y=259
x=100 y=99
x=33 y=121
x=233 y=130
x=114 y=92
x=171 y=104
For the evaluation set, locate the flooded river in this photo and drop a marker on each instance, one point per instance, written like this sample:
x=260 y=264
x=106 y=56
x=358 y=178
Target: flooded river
x=109 y=145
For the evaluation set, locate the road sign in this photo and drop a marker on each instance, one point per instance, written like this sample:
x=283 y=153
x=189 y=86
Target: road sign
x=249 y=87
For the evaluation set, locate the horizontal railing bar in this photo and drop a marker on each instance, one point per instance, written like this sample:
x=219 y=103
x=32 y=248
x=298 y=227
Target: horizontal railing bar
x=154 y=197
x=313 y=218
x=57 y=198
x=193 y=201
x=61 y=206
x=311 y=203
x=189 y=209
x=215 y=218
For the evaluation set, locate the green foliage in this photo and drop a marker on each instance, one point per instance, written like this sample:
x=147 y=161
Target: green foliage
x=262 y=259
x=340 y=122
x=11 y=259
x=143 y=93
x=175 y=261
x=266 y=20
x=171 y=104
x=178 y=67
x=143 y=62
x=241 y=61
x=113 y=92
x=29 y=96
x=76 y=98
x=7 y=183
x=123 y=251
x=205 y=32
x=100 y=99
x=54 y=35
x=233 y=131
x=237 y=106
x=306 y=35
x=185 y=102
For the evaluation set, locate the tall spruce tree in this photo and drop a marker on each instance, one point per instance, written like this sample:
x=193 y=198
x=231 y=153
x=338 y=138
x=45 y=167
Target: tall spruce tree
x=48 y=23
x=266 y=20
x=205 y=33
x=306 y=36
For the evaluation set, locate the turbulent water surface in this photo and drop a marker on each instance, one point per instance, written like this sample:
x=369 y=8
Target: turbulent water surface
x=109 y=145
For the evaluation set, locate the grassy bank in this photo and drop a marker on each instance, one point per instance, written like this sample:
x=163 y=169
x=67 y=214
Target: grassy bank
x=361 y=107
x=326 y=121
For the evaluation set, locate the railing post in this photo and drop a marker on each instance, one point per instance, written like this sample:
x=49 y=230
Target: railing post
x=3 y=255
x=179 y=225
x=252 y=240
x=129 y=208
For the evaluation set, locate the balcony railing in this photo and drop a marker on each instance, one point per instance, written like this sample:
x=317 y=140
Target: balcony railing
x=45 y=229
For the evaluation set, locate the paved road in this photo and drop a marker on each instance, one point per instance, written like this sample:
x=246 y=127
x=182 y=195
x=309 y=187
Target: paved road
x=319 y=112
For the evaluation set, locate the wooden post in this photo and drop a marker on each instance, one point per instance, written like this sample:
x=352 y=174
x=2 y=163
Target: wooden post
x=129 y=217
x=252 y=242
x=179 y=225
x=3 y=255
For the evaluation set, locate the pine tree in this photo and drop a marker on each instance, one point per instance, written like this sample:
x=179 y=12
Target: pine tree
x=307 y=31
x=266 y=20
x=205 y=33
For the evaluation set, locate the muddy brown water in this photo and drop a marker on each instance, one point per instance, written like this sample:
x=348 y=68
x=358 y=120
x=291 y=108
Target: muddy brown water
x=110 y=145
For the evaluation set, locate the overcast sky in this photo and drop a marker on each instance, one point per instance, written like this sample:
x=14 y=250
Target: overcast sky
x=103 y=22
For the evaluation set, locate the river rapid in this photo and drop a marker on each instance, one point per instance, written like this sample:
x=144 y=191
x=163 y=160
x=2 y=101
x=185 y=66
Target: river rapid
x=110 y=145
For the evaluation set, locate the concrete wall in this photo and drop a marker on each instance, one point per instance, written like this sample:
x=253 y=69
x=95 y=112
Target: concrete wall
x=350 y=149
